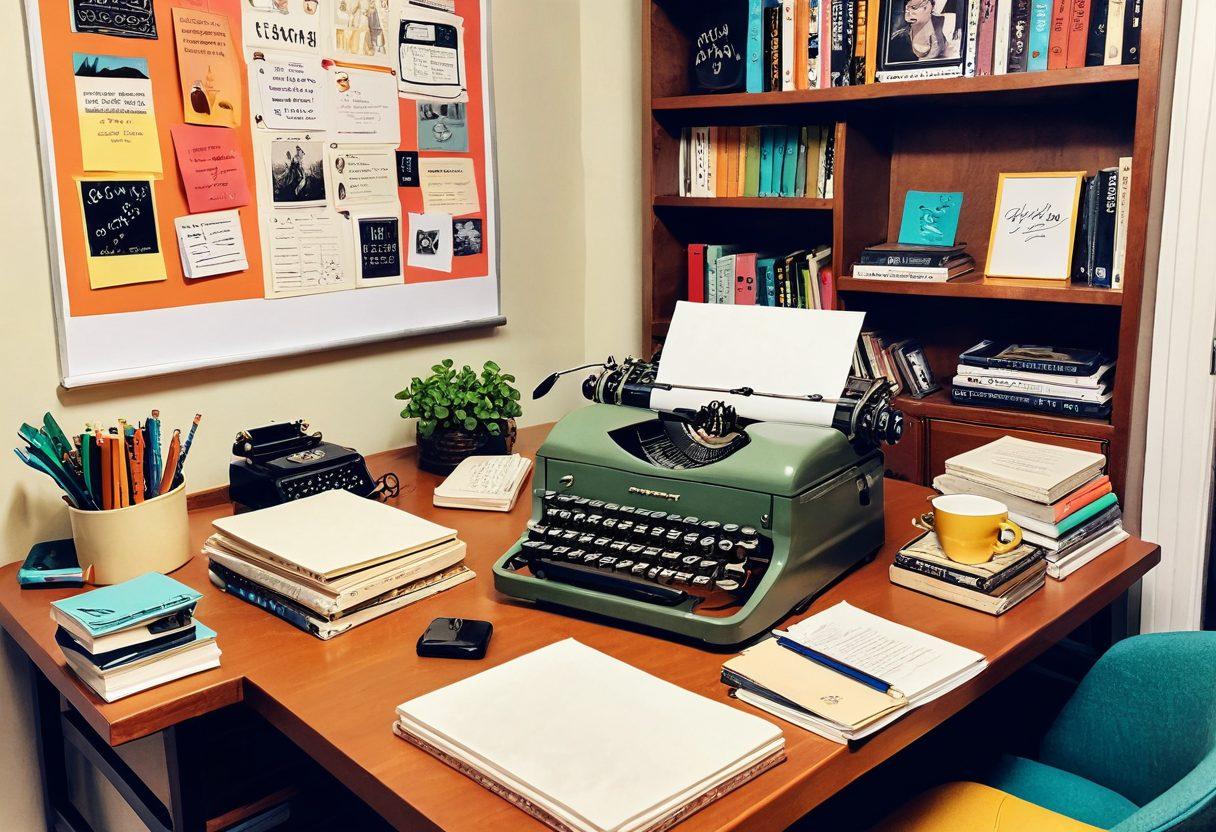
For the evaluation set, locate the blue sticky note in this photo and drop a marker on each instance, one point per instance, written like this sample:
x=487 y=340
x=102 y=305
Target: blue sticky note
x=930 y=218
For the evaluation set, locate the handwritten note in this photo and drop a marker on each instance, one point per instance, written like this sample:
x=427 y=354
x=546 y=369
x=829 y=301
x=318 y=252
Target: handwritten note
x=361 y=174
x=213 y=172
x=1033 y=225
x=120 y=229
x=289 y=91
x=206 y=62
x=211 y=244
x=430 y=53
x=448 y=185
x=366 y=108
x=307 y=254
x=117 y=121
x=121 y=18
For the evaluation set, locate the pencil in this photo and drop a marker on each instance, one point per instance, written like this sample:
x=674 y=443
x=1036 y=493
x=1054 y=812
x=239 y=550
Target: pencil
x=107 y=472
x=181 y=460
x=175 y=449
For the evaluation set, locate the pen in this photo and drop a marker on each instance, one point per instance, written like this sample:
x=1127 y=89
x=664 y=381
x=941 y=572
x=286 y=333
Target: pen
x=153 y=469
x=840 y=667
x=181 y=460
x=175 y=449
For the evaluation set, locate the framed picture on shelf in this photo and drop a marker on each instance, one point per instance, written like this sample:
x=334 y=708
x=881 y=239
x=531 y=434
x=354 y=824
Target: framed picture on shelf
x=1034 y=225
x=921 y=39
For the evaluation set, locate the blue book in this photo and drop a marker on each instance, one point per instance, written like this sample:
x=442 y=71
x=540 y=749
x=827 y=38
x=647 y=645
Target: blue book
x=766 y=286
x=1040 y=33
x=755 y=46
x=779 y=138
x=121 y=606
x=766 y=162
x=789 y=167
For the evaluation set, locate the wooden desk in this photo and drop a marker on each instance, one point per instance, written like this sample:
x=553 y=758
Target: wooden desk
x=336 y=699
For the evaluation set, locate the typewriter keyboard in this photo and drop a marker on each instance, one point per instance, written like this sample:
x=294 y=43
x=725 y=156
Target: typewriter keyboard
x=651 y=556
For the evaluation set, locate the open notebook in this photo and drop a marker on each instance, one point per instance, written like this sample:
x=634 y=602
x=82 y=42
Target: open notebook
x=613 y=749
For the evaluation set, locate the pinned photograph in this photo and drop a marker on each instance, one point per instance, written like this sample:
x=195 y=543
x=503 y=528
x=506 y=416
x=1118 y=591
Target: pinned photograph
x=466 y=238
x=360 y=28
x=921 y=35
x=442 y=127
x=297 y=172
x=430 y=242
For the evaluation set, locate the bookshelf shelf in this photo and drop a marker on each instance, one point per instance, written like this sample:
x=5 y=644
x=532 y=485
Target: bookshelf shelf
x=1054 y=82
x=759 y=203
x=938 y=406
x=994 y=288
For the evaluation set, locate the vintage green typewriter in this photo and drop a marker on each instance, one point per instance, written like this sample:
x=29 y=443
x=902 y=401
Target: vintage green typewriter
x=700 y=525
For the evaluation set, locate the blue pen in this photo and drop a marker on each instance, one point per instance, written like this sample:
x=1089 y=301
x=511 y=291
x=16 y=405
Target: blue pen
x=840 y=667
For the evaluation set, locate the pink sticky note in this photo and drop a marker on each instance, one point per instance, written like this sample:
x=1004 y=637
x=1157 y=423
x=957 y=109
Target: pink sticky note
x=212 y=169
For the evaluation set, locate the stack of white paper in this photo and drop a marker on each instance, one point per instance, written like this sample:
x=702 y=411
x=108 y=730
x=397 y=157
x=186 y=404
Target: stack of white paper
x=920 y=666
x=488 y=483
x=613 y=749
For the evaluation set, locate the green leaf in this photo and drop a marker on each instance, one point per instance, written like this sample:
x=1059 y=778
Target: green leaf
x=492 y=367
x=493 y=429
x=447 y=362
x=441 y=411
x=470 y=424
x=461 y=414
x=425 y=428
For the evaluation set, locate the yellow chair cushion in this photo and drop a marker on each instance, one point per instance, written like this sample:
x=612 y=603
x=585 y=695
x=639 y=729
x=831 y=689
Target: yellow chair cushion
x=971 y=807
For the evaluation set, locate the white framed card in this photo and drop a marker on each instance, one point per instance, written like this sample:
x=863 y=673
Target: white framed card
x=1034 y=225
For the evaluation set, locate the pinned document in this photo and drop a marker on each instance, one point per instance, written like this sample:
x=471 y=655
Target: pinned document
x=211 y=244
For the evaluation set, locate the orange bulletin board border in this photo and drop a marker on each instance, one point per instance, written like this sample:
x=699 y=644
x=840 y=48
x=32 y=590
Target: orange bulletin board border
x=52 y=45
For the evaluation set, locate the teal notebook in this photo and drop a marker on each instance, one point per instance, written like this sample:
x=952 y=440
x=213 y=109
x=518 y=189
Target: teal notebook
x=1085 y=512
x=113 y=608
x=779 y=140
x=789 y=168
x=765 y=186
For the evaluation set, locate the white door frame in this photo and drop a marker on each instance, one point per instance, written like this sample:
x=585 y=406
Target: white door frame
x=1177 y=496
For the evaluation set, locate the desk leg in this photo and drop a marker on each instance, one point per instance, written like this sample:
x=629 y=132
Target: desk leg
x=187 y=774
x=61 y=815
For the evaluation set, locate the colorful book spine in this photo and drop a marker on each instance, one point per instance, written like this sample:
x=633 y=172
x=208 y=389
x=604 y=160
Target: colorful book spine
x=1132 y=18
x=986 y=37
x=779 y=146
x=1095 y=39
x=696 y=273
x=1102 y=276
x=789 y=165
x=772 y=47
x=1001 y=38
x=754 y=78
x=1057 y=41
x=1113 y=52
x=799 y=46
x=1078 y=33
x=1121 y=216
x=751 y=174
x=251 y=593
x=842 y=49
x=745 y=279
x=1040 y=35
x=766 y=293
x=1019 y=37
x=1084 y=513
x=767 y=147
x=970 y=57
x=961 y=578
x=788 y=27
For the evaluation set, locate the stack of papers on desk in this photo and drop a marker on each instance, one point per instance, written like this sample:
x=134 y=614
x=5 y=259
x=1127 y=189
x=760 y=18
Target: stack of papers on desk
x=488 y=483
x=333 y=561
x=582 y=741
x=918 y=667
x=129 y=637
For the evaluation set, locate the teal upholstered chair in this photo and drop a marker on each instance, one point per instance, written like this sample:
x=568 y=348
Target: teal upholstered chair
x=1134 y=750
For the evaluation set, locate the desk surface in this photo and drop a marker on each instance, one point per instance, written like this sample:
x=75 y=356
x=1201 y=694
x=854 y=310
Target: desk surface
x=336 y=699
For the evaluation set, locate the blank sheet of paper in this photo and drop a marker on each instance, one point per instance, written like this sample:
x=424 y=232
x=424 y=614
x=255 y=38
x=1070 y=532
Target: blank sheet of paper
x=771 y=350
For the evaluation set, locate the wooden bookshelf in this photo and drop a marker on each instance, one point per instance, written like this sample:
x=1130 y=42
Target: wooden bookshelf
x=938 y=135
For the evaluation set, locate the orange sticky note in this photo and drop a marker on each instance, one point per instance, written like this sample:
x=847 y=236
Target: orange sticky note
x=213 y=172
x=207 y=63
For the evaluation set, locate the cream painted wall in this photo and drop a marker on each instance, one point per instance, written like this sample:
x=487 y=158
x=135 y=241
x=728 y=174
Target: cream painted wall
x=566 y=94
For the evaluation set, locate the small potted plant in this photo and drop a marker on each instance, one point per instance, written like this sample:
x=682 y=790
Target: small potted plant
x=461 y=413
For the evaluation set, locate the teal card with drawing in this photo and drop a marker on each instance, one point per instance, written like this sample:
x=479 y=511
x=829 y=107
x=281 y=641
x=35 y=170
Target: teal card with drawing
x=930 y=218
x=113 y=608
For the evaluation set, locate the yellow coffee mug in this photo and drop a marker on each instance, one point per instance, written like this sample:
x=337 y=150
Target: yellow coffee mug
x=971 y=528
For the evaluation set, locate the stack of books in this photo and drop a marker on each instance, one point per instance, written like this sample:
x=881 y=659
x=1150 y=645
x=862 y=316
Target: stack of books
x=732 y=275
x=845 y=673
x=129 y=637
x=900 y=361
x=779 y=160
x=1058 y=380
x=332 y=561
x=914 y=263
x=994 y=587
x=613 y=749
x=485 y=483
x=1059 y=496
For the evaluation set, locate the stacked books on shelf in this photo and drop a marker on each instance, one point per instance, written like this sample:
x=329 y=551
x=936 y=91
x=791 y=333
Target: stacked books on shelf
x=786 y=45
x=757 y=161
x=1059 y=496
x=129 y=637
x=1062 y=381
x=613 y=750
x=730 y=274
x=1100 y=249
x=914 y=263
x=994 y=587
x=332 y=561
x=901 y=361
x=485 y=483
x=845 y=674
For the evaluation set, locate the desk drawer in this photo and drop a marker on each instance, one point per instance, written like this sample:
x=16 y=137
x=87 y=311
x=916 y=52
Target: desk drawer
x=947 y=439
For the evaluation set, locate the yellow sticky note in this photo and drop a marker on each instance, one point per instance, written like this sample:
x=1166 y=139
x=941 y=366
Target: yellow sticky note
x=122 y=240
x=117 y=119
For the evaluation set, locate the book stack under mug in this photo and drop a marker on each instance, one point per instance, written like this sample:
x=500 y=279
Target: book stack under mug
x=1059 y=496
x=914 y=262
x=332 y=561
x=129 y=637
x=994 y=587
x=1064 y=381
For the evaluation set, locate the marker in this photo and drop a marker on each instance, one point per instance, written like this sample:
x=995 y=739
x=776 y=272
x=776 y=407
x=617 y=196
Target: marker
x=840 y=667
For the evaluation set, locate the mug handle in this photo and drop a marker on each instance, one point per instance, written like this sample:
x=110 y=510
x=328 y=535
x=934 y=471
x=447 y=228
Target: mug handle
x=924 y=522
x=1013 y=528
